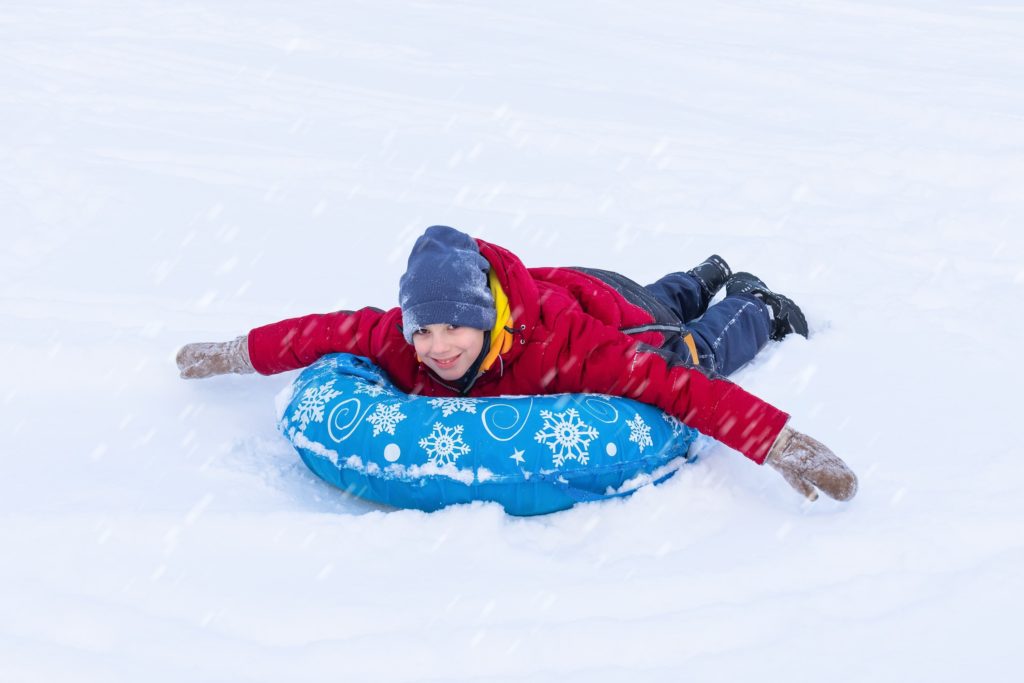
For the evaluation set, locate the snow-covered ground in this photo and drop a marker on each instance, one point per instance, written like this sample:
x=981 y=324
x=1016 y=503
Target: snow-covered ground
x=183 y=171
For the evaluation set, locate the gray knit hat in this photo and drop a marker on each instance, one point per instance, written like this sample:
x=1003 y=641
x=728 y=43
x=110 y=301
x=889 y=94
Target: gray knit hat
x=445 y=282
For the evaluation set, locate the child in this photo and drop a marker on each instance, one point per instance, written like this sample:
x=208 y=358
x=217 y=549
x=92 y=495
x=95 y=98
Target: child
x=473 y=320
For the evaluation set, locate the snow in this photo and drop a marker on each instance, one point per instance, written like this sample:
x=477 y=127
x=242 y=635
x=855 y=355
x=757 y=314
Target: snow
x=177 y=172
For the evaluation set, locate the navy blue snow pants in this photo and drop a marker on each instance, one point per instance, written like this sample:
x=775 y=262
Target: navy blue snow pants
x=726 y=335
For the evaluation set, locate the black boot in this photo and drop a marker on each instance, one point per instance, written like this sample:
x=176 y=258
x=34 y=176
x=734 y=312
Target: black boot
x=712 y=273
x=787 y=316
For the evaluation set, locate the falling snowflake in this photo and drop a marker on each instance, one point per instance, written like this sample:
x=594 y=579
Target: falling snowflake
x=454 y=405
x=386 y=417
x=373 y=390
x=444 y=445
x=311 y=407
x=640 y=432
x=566 y=435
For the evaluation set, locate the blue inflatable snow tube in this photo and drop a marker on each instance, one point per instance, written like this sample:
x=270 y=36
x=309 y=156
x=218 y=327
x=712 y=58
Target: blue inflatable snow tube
x=532 y=454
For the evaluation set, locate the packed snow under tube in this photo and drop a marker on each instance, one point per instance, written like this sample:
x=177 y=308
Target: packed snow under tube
x=532 y=454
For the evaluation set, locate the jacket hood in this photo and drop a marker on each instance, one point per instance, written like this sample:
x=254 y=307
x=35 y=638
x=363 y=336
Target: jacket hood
x=521 y=289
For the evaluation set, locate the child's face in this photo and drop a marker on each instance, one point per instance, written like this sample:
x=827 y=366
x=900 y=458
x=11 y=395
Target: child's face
x=448 y=350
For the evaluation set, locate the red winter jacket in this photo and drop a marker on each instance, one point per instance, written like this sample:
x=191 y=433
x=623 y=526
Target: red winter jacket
x=567 y=340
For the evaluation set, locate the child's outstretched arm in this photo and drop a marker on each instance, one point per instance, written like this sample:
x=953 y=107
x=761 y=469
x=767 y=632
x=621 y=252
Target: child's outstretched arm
x=599 y=359
x=295 y=343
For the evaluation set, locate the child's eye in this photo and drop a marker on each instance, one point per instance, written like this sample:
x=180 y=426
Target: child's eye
x=420 y=332
x=454 y=327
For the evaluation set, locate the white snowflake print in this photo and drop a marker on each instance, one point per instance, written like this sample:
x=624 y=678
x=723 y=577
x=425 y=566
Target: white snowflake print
x=372 y=390
x=640 y=432
x=311 y=407
x=449 y=406
x=566 y=435
x=444 y=445
x=385 y=418
x=677 y=425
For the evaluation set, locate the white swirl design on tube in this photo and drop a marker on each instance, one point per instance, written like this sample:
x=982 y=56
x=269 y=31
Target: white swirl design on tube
x=345 y=410
x=600 y=409
x=499 y=421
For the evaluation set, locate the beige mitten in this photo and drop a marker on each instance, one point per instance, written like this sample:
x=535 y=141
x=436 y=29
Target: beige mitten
x=207 y=359
x=807 y=463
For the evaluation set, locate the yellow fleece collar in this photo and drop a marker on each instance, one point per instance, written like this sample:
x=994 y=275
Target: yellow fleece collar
x=501 y=338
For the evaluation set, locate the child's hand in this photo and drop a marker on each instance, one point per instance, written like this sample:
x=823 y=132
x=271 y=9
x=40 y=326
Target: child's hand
x=207 y=359
x=807 y=463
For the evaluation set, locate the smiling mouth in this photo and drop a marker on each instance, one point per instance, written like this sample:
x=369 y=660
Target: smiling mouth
x=446 y=363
